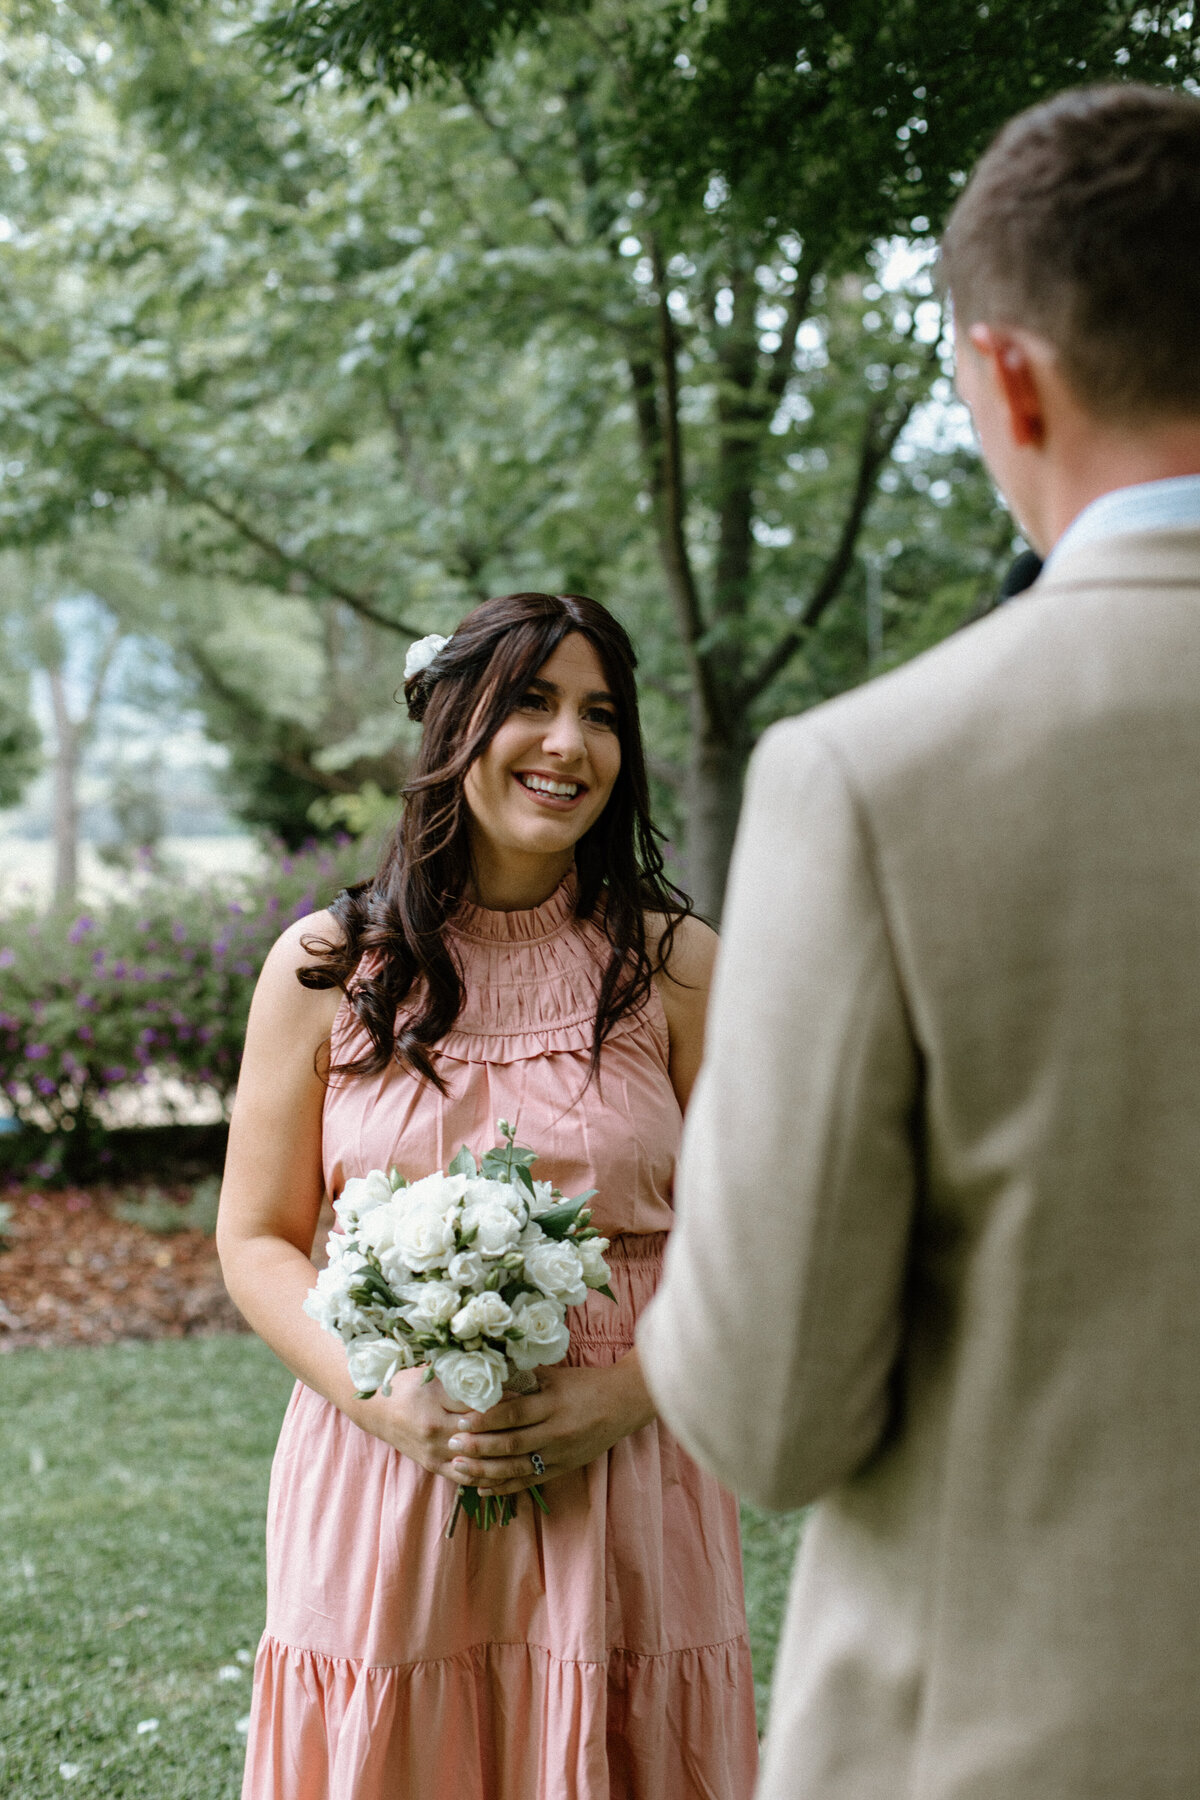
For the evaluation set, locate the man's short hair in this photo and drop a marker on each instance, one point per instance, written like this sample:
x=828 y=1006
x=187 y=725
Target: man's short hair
x=1082 y=223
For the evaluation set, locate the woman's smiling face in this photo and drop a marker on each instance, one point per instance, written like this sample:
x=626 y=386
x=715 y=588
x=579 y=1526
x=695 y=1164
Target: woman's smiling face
x=546 y=776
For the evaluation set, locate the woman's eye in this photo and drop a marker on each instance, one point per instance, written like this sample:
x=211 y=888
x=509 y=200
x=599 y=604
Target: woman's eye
x=600 y=715
x=532 y=699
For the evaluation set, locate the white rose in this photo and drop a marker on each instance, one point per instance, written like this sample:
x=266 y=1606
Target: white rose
x=430 y=1303
x=596 y=1271
x=434 y=1190
x=373 y=1362
x=557 y=1270
x=472 y=1379
x=481 y=1192
x=377 y=1231
x=329 y=1302
x=395 y=1270
x=360 y=1195
x=422 y=653
x=546 y=1336
x=425 y=1235
x=484 y=1315
x=496 y=1229
x=465 y=1269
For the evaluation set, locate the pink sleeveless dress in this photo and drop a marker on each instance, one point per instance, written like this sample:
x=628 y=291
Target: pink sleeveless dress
x=599 y=1653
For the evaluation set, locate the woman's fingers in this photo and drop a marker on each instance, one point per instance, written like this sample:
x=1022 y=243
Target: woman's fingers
x=511 y=1476
x=506 y=1415
x=495 y=1440
x=491 y=1445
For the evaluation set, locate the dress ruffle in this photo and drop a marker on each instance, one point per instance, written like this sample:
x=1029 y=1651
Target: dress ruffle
x=523 y=1725
x=532 y=987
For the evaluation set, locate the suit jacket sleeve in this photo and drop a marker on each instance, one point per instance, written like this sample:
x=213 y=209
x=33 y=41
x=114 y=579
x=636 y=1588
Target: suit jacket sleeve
x=770 y=1345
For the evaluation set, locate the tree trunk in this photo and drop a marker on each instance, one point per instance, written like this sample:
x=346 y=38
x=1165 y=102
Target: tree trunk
x=714 y=797
x=66 y=804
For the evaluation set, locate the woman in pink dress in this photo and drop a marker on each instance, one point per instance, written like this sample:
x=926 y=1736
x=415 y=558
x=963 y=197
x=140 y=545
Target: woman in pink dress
x=519 y=955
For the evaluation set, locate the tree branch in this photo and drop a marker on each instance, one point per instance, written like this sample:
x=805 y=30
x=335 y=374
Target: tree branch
x=104 y=663
x=666 y=496
x=288 y=760
x=873 y=453
x=178 y=483
x=524 y=172
x=781 y=361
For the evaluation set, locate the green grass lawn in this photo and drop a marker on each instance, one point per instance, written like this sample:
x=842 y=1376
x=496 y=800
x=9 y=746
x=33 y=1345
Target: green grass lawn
x=133 y=1484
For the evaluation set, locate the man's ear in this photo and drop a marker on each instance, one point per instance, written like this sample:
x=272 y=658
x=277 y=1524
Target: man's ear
x=1015 y=378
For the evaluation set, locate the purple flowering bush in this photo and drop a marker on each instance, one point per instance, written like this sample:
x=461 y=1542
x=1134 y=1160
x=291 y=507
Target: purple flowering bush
x=157 y=985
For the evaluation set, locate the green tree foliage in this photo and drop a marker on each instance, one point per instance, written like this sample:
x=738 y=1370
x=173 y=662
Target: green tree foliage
x=767 y=145
x=20 y=739
x=582 y=297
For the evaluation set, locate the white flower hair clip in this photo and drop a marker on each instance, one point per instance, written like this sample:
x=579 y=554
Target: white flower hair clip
x=422 y=653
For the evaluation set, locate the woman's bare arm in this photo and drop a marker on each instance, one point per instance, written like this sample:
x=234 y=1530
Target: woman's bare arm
x=271 y=1199
x=684 y=986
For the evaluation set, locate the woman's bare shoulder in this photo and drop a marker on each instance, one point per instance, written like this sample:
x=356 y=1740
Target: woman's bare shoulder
x=301 y=946
x=692 y=953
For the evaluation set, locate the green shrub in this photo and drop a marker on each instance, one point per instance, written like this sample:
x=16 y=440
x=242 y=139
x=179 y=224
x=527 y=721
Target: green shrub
x=96 y=1001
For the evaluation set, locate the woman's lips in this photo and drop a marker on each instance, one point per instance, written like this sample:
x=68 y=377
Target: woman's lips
x=558 y=802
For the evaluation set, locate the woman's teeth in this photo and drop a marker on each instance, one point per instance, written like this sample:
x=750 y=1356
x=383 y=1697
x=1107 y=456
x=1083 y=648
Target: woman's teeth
x=540 y=785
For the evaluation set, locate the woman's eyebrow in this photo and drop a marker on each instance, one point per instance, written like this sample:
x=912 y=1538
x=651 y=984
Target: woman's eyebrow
x=552 y=687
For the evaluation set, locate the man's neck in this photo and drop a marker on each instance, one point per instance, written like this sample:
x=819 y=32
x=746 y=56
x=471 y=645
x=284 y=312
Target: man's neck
x=1100 y=458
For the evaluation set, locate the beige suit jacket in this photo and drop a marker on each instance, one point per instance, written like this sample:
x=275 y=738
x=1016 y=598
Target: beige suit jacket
x=938 y=1250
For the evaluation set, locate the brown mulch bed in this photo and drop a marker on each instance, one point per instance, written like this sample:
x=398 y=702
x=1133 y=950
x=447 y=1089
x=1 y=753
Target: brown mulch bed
x=73 y=1273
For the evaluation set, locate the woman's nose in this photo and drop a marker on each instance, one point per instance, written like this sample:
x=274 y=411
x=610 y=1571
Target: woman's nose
x=564 y=735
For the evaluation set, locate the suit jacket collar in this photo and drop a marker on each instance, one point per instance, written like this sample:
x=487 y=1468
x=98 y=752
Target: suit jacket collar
x=1135 y=559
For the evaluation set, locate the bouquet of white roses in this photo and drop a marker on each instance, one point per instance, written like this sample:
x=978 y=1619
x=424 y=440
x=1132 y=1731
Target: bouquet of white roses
x=469 y=1273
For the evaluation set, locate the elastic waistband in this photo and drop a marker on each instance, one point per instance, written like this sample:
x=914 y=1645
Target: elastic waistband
x=637 y=1246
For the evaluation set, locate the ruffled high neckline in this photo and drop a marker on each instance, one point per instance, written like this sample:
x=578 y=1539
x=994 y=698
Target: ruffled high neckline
x=483 y=924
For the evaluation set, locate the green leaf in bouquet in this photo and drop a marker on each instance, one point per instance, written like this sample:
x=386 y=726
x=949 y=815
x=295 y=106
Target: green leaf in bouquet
x=505 y=1162
x=526 y=1181
x=464 y=1164
x=558 y=1220
x=495 y=1280
x=397 y=1180
x=606 y=1291
x=370 y=1289
x=472 y=1505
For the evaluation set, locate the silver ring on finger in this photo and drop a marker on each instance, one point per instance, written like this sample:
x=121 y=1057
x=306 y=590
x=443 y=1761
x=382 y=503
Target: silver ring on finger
x=539 y=1467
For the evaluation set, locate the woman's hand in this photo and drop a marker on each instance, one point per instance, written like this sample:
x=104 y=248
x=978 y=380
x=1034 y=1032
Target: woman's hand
x=416 y=1419
x=574 y=1418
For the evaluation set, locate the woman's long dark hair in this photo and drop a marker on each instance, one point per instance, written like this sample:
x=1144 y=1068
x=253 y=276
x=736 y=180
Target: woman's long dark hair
x=412 y=991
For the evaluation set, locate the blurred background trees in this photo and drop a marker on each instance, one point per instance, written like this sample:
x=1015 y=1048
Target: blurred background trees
x=319 y=323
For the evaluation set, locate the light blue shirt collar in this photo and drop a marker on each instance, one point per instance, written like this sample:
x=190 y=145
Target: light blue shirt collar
x=1169 y=505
